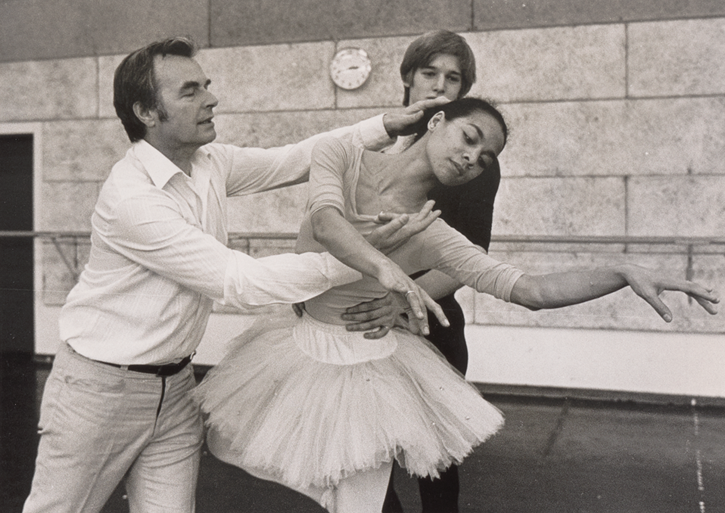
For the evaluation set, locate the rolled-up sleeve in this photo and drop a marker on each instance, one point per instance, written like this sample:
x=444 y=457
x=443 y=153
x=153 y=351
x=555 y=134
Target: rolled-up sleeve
x=151 y=232
x=285 y=278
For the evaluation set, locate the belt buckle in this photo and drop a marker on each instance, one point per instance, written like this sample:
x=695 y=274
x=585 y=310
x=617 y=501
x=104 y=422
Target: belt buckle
x=160 y=371
x=174 y=368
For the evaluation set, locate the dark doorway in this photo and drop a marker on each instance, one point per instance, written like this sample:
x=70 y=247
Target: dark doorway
x=16 y=254
x=18 y=416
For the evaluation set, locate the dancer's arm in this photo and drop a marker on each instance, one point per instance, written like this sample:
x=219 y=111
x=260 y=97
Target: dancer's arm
x=453 y=254
x=342 y=241
x=569 y=288
x=331 y=162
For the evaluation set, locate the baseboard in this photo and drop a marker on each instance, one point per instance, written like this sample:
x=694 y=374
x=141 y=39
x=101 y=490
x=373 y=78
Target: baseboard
x=583 y=394
x=539 y=392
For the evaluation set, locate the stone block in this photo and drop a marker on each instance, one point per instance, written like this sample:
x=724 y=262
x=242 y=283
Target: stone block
x=238 y=243
x=278 y=211
x=47 y=29
x=560 y=206
x=68 y=206
x=270 y=78
x=83 y=150
x=709 y=271
x=259 y=248
x=676 y=58
x=685 y=206
x=640 y=137
x=248 y=23
x=106 y=68
x=54 y=89
x=489 y=15
x=622 y=310
x=62 y=263
x=270 y=129
x=563 y=63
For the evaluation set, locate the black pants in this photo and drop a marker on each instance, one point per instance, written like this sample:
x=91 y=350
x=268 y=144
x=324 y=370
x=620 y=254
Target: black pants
x=440 y=495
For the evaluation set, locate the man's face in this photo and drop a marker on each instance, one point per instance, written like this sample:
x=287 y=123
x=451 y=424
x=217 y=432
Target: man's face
x=441 y=77
x=185 y=103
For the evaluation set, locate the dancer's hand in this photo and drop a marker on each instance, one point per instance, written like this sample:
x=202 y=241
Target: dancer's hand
x=392 y=278
x=649 y=286
x=376 y=317
x=403 y=123
x=379 y=316
x=396 y=229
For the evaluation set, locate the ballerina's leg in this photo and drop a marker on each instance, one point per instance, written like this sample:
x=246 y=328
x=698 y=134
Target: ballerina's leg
x=363 y=492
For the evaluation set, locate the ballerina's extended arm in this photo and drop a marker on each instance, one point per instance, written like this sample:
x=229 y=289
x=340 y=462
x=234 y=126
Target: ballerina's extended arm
x=569 y=288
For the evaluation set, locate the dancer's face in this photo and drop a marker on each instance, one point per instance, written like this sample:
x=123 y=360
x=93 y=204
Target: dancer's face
x=462 y=148
x=441 y=77
x=185 y=114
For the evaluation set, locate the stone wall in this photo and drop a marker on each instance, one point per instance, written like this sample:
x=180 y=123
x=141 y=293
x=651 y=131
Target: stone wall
x=616 y=110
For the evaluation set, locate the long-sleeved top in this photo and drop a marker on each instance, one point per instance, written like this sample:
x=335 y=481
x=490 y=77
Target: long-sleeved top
x=336 y=170
x=159 y=258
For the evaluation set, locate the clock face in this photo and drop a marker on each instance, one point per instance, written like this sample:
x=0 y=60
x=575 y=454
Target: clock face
x=350 y=68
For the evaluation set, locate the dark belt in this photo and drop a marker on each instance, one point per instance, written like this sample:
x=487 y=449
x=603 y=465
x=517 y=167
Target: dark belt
x=159 y=370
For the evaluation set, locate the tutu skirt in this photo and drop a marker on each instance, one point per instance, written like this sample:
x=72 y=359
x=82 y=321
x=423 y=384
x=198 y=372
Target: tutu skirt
x=310 y=404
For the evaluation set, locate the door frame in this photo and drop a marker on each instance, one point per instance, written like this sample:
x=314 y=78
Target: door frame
x=36 y=130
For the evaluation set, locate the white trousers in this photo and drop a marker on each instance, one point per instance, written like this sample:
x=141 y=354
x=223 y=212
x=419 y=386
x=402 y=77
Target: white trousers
x=99 y=424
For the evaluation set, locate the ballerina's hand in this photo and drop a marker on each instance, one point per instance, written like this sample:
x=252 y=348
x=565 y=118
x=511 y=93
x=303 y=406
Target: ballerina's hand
x=392 y=278
x=648 y=286
x=396 y=229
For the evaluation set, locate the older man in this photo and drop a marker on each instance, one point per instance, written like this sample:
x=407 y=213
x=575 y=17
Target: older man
x=116 y=404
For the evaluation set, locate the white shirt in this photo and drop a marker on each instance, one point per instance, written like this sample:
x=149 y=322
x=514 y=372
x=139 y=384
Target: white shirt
x=159 y=257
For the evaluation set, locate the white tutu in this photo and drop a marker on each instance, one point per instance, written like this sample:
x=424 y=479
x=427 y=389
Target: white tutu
x=310 y=403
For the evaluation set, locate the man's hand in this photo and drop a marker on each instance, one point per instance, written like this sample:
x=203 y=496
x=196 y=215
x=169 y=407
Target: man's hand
x=376 y=317
x=403 y=123
x=379 y=316
x=396 y=229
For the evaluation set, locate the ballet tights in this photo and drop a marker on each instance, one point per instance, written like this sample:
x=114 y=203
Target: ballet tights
x=363 y=492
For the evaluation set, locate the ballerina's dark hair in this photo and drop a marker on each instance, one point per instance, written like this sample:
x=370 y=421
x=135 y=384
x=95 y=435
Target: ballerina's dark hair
x=459 y=109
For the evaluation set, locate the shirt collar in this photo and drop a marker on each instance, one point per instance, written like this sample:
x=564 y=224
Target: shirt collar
x=157 y=165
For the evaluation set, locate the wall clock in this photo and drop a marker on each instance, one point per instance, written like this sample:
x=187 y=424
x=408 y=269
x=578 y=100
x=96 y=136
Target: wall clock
x=350 y=68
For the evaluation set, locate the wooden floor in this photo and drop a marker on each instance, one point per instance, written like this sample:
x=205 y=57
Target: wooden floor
x=553 y=455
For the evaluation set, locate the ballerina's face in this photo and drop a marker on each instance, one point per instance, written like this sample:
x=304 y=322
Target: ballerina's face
x=460 y=149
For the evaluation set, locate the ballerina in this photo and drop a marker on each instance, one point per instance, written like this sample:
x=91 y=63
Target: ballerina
x=325 y=411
